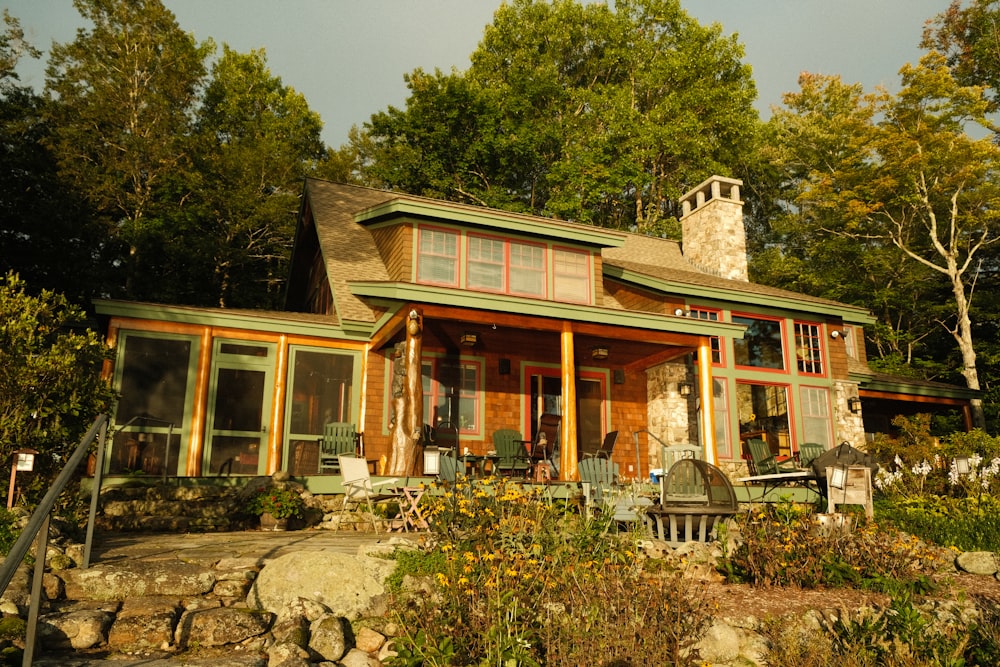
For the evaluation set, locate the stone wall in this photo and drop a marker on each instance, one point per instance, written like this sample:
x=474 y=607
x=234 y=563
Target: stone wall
x=672 y=418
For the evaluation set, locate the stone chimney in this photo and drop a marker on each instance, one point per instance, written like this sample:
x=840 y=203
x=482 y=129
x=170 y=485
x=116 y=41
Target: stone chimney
x=712 y=226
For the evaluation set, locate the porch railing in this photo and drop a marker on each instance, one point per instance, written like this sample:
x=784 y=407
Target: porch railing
x=37 y=530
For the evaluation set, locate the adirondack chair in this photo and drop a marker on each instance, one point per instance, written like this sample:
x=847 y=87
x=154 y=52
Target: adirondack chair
x=513 y=455
x=448 y=466
x=764 y=462
x=601 y=475
x=671 y=454
x=809 y=451
x=338 y=438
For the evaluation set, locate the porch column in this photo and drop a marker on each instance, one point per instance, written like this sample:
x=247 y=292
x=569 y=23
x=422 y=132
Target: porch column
x=276 y=424
x=567 y=428
x=706 y=405
x=196 y=449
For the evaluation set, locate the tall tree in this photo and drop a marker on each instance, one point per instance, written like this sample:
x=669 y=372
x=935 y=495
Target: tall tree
x=257 y=140
x=900 y=172
x=123 y=93
x=577 y=111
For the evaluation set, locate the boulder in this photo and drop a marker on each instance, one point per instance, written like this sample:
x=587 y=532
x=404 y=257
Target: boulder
x=131 y=579
x=358 y=658
x=330 y=637
x=79 y=629
x=357 y=590
x=977 y=562
x=144 y=623
x=221 y=626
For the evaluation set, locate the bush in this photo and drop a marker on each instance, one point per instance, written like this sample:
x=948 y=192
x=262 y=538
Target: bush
x=519 y=580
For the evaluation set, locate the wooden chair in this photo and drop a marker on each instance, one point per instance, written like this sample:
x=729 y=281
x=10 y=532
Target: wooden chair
x=358 y=487
x=510 y=448
x=671 y=454
x=600 y=475
x=448 y=466
x=764 y=462
x=809 y=451
x=338 y=438
x=606 y=448
x=543 y=444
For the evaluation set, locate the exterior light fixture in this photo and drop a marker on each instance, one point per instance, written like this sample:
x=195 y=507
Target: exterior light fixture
x=469 y=339
x=837 y=333
x=600 y=352
x=684 y=388
x=680 y=312
x=838 y=477
x=854 y=404
x=962 y=465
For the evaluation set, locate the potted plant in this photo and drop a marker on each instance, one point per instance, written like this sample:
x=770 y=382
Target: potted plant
x=275 y=505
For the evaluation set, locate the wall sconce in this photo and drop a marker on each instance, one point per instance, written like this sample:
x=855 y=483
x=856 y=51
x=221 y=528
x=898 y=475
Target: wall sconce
x=680 y=312
x=600 y=352
x=837 y=333
x=854 y=404
x=838 y=477
x=684 y=388
x=469 y=338
x=962 y=465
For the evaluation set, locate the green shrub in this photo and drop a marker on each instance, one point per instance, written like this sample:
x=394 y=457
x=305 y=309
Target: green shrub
x=969 y=524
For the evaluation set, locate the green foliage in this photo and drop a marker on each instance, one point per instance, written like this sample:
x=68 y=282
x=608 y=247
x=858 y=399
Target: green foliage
x=280 y=502
x=518 y=580
x=50 y=385
x=969 y=524
x=9 y=532
x=577 y=110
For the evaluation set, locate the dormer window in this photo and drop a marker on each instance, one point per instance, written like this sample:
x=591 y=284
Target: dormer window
x=572 y=275
x=437 y=257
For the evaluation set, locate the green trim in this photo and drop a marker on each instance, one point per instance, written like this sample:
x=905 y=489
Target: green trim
x=503 y=222
x=850 y=314
x=265 y=321
x=446 y=296
x=867 y=383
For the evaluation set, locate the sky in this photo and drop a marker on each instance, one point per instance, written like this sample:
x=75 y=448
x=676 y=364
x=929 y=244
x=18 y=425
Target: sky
x=348 y=57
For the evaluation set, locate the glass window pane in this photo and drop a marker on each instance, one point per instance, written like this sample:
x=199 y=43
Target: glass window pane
x=486 y=265
x=527 y=269
x=437 y=260
x=808 y=354
x=154 y=379
x=760 y=346
x=816 y=423
x=238 y=401
x=322 y=390
x=720 y=406
x=763 y=414
x=572 y=276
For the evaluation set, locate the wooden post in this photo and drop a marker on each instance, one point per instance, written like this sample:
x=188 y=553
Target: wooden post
x=707 y=403
x=567 y=433
x=407 y=398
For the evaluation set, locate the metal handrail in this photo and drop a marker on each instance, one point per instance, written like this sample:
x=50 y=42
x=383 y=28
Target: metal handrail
x=38 y=527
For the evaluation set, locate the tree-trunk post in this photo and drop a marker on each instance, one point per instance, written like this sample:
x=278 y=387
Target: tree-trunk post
x=407 y=398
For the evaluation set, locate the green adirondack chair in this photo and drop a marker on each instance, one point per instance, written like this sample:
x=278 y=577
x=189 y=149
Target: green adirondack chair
x=764 y=462
x=513 y=454
x=338 y=438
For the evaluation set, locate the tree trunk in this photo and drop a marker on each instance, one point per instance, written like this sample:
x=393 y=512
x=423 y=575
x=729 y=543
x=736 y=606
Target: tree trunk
x=407 y=398
x=963 y=335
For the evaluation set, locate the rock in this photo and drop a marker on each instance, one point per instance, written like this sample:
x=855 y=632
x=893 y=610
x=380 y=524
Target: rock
x=221 y=626
x=53 y=586
x=357 y=590
x=19 y=589
x=75 y=629
x=231 y=588
x=302 y=608
x=977 y=562
x=357 y=658
x=291 y=631
x=287 y=654
x=369 y=640
x=60 y=561
x=330 y=637
x=144 y=623
x=133 y=579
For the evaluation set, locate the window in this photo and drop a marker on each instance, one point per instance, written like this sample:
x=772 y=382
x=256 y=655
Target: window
x=760 y=346
x=763 y=414
x=437 y=257
x=572 y=276
x=452 y=393
x=527 y=269
x=720 y=405
x=815 y=408
x=808 y=353
x=852 y=336
x=486 y=264
x=713 y=316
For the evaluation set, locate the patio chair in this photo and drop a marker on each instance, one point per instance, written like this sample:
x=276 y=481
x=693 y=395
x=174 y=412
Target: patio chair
x=540 y=447
x=510 y=448
x=671 y=454
x=358 y=487
x=606 y=448
x=809 y=451
x=764 y=462
x=600 y=475
x=338 y=438
x=448 y=466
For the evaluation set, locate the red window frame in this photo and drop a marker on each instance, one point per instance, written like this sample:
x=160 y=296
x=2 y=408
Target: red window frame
x=809 y=348
x=589 y=271
x=421 y=230
x=718 y=359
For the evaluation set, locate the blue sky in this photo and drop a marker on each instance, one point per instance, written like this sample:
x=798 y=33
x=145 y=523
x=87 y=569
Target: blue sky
x=348 y=57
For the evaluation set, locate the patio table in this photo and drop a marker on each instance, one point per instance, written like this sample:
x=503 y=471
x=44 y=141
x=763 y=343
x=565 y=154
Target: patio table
x=409 y=507
x=804 y=478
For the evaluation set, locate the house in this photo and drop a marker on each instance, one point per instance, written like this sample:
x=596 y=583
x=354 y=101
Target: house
x=522 y=317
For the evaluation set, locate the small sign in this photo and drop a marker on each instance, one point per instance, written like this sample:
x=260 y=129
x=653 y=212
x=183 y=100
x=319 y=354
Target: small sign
x=25 y=461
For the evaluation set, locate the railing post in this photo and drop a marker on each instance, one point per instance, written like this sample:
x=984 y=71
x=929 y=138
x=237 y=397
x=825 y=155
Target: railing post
x=31 y=636
x=95 y=494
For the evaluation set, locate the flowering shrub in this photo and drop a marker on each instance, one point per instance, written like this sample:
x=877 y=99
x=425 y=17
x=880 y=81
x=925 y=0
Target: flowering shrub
x=519 y=579
x=280 y=502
